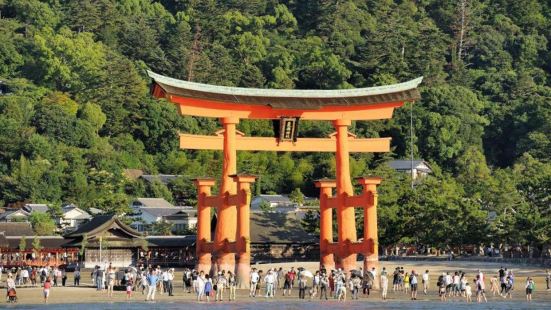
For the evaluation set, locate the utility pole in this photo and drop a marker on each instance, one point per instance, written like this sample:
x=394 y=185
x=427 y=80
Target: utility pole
x=411 y=140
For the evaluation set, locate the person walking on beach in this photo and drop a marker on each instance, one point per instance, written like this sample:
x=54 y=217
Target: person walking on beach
x=413 y=283
x=170 y=282
x=76 y=278
x=316 y=282
x=340 y=290
x=441 y=284
x=208 y=287
x=548 y=278
x=10 y=282
x=200 y=285
x=129 y=287
x=384 y=283
x=480 y=294
x=46 y=289
x=110 y=280
x=356 y=284
x=301 y=287
x=406 y=283
x=221 y=283
x=269 y=279
x=530 y=287
x=324 y=284
x=425 y=281
x=152 y=280
x=232 y=284
x=280 y=278
x=253 y=280
x=468 y=292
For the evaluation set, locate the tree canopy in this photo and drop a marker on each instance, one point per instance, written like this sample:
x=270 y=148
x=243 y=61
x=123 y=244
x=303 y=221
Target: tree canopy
x=75 y=110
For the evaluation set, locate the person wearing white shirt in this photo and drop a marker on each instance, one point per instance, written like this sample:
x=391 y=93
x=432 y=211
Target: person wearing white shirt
x=253 y=281
x=269 y=279
x=425 y=281
x=456 y=284
x=164 y=277
x=170 y=279
x=468 y=292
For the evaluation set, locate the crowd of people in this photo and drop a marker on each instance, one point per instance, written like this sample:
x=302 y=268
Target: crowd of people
x=321 y=284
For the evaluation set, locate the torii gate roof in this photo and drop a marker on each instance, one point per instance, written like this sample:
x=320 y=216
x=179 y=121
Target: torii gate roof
x=290 y=99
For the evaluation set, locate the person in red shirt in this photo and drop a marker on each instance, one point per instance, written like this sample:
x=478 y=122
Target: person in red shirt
x=47 y=287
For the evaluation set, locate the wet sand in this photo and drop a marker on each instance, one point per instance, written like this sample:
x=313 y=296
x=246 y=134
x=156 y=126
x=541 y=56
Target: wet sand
x=87 y=295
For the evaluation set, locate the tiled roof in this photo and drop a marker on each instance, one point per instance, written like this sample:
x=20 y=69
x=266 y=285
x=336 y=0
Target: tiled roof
x=36 y=207
x=271 y=227
x=290 y=98
x=160 y=212
x=163 y=178
x=155 y=202
x=16 y=229
x=406 y=164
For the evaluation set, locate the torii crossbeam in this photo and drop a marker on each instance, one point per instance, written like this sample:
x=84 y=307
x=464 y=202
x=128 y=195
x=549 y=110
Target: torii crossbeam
x=230 y=105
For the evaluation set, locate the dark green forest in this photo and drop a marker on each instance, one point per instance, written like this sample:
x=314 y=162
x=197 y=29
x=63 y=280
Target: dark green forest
x=76 y=109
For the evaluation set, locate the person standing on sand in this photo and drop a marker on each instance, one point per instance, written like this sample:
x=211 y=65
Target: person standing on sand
x=530 y=287
x=547 y=278
x=269 y=279
x=468 y=292
x=324 y=284
x=253 y=280
x=384 y=283
x=232 y=284
x=200 y=286
x=208 y=287
x=413 y=283
x=76 y=278
x=110 y=280
x=425 y=281
x=152 y=280
x=46 y=289
x=129 y=287
x=480 y=294
x=301 y=287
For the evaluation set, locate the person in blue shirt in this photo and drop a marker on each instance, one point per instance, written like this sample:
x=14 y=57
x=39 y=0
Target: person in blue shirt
x=152 y=280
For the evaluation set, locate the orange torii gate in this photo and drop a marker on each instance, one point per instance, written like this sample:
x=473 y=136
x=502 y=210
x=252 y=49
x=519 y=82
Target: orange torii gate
x=230 y=104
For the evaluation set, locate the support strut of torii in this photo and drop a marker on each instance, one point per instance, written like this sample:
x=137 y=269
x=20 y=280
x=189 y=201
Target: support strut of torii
x=230 y=105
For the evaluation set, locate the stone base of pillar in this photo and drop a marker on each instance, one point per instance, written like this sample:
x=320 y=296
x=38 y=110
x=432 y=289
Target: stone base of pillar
x=349 y=263
x=204 y=263
x=371 y=261
x=327 y=261
x=226 y=262
x=243 y=273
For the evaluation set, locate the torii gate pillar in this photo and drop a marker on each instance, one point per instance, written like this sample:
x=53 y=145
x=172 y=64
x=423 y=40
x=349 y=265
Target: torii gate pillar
x=346 y=219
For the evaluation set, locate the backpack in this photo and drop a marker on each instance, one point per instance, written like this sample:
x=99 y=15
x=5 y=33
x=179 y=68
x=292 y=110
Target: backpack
x=208 y=286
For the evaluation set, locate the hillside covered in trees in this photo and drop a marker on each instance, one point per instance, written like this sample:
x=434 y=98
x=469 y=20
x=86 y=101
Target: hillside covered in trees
x=76 y=110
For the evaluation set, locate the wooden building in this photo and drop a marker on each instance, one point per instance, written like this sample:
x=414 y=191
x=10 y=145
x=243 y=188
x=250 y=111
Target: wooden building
x=35 y=250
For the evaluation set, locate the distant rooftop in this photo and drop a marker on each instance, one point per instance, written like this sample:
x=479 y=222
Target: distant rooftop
x=36 y=207
x=274 y=198
x=163 y=178
x=153 y=203
x=418 y=164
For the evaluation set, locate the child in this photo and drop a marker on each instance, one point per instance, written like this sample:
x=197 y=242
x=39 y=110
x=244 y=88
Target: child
x=468 y=292
x=129 y=286
x=208 y=287
x=530 y=286
x=47 y=286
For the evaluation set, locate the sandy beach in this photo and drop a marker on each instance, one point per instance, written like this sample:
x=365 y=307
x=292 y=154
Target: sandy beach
x=85 y=294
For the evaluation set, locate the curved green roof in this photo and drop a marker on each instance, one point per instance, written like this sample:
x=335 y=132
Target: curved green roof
x=290 y=98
